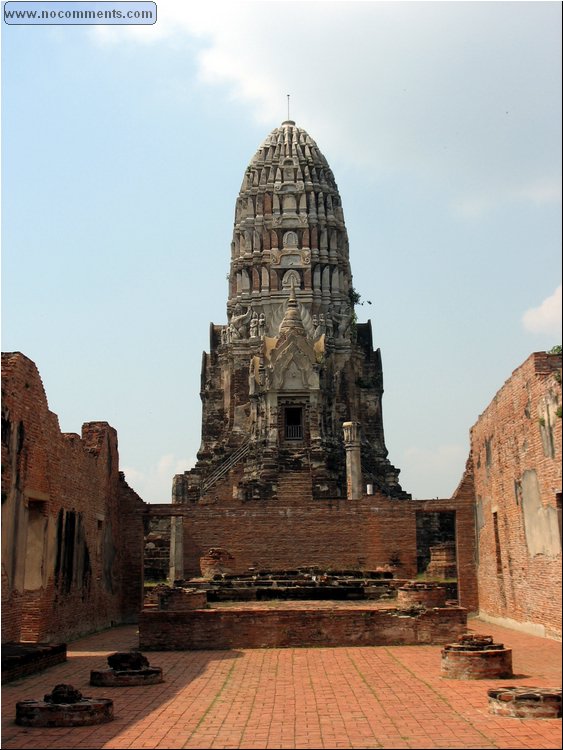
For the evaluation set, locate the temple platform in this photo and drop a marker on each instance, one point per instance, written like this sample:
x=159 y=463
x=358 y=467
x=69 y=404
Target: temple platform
x=290 y=624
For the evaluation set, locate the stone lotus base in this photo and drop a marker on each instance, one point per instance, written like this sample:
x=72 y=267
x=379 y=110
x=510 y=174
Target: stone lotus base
x=32 y=713
x=476 y=658
x=126 y=677
x=525 y=702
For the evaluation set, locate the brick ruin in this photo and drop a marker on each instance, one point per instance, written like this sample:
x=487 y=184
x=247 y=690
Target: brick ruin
x=291 y=391
x=516 y=455
x=292 y=470
x=72 y=528
x=291 y=365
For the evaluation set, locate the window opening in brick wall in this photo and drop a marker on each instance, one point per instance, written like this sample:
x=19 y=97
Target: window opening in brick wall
x=498 y=557
x=294 y=423
x=558 y=506
x=64 y=565
x=35 y=545
x=99 y=537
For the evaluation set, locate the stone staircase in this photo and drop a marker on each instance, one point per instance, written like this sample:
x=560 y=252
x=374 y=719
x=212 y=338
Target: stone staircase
x=295 y=486
x=224 y=468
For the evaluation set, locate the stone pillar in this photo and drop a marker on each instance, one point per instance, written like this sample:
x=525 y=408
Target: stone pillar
x=176 y=548
x=353 y=460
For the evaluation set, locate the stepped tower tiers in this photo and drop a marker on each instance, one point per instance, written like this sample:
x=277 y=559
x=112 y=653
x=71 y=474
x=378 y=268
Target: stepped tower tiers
x=291 y=364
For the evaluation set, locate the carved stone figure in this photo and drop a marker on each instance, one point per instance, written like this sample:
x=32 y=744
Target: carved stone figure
x=343 y=319
x=320 y=328
x=239 y=322
x=254 y=325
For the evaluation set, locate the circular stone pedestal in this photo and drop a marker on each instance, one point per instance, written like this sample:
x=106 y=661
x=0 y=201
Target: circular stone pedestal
x=424 y=594
x=476 y=658
x=525 y=702
x=126 y=677
x=31 y=713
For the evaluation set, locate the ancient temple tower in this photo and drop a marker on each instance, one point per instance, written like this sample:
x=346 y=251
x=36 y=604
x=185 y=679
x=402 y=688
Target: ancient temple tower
x=292 y=364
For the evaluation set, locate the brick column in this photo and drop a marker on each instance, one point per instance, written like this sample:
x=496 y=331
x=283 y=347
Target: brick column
x=353 y=460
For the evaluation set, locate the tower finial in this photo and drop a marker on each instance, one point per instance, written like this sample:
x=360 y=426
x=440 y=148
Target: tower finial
x=288 y=107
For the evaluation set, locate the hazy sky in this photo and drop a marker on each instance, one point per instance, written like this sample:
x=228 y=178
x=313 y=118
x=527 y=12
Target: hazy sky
x=123 y=151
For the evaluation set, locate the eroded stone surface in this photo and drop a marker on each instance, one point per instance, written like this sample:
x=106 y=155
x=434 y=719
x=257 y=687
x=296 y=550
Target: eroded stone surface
x=476 y=657
x=64 y=707
x=525 y=702
x=126 y=678
x=127 y=660
x=425 y=594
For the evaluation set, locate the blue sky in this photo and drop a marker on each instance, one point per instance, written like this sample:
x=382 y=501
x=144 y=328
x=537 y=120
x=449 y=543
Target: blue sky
x=123 y=150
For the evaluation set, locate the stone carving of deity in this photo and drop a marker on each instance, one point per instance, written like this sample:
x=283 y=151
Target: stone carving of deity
x=254 y=325
x=319 y=326
x=343 y=318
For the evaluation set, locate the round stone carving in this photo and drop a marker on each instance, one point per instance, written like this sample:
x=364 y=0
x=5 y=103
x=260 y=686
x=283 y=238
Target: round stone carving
x=127 y=669
x=64 y=707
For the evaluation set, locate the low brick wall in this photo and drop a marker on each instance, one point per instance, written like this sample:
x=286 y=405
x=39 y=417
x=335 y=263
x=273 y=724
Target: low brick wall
x=267 y=628
x=426 y=595
x=525 y=702
x=22 y=659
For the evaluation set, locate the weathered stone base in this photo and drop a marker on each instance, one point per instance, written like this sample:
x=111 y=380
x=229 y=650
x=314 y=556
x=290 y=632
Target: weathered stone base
x=425 y=594
x=88 y=711
x=304 y=626
x=126 y=678
x=477 y=665
x=476 y=657
x=525 y=702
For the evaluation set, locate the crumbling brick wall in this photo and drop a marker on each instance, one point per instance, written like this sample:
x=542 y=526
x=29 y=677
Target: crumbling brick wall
x=157 y=550
x=516 y=450
x=72 y=530
x=338 y=534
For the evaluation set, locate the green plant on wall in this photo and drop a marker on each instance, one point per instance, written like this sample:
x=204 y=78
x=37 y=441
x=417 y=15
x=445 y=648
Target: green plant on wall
x=557 y=349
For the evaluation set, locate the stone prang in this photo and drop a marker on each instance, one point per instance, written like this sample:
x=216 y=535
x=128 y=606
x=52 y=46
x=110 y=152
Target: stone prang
x=291 y=364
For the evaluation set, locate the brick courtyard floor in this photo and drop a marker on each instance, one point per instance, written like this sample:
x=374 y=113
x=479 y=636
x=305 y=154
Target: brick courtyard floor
x=366 y=697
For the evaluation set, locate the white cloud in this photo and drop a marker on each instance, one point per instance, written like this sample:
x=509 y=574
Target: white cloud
x=546 y=318
x=437 y=91
x=154 y=483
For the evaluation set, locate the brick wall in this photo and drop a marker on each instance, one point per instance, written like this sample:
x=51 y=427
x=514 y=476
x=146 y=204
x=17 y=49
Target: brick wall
x=223 y=629
x=462 y=503
x=72 y=531
x=157 y=550
x=292 y=531
x=516 y=450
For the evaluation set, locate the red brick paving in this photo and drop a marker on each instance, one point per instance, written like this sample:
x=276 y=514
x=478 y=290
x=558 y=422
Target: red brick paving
x=367 y=697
